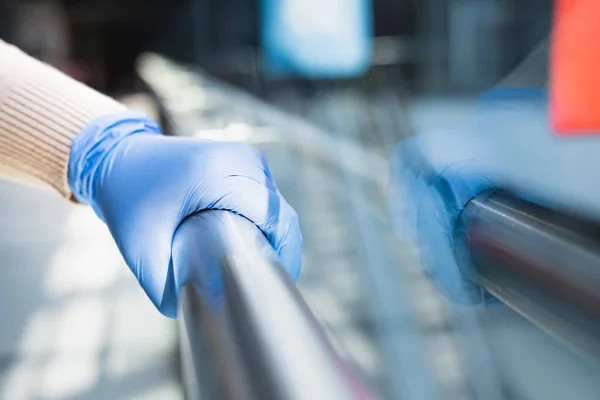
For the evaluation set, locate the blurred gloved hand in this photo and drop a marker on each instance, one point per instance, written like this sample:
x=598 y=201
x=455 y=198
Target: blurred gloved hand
x=143 y=185
x=432 y=177
x=506 y=144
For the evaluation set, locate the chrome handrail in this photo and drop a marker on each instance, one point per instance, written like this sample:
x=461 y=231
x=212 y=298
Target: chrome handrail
x=542 y=263
x=246 y=331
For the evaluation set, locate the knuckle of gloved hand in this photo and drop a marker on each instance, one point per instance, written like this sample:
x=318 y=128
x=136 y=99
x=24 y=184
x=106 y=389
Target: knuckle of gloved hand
x=293 y=222
x=285 y=224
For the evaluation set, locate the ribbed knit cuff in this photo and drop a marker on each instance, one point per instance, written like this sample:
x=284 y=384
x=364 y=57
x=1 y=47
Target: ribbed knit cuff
x=41 y=111
x=96 y=141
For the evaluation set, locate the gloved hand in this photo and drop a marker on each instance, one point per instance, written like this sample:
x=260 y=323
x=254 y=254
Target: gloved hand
x=143 y=185
x=508 y=145
x=432 y=177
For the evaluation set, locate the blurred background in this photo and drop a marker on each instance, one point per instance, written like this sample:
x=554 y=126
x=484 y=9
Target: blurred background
x=297 y=78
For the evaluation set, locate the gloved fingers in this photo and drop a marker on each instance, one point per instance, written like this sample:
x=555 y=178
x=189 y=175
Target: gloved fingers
x=436 y=231
x=432 y=217
x=147 y=260
x=269 y=211
x=196 y=257
x=428 y=189
x=448 y=192
x=289 y=247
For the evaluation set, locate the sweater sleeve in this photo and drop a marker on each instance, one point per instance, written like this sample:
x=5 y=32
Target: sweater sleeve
x=41 y=111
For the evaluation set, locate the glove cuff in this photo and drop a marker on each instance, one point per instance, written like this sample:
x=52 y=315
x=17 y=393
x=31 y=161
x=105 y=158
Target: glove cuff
x=95 y=141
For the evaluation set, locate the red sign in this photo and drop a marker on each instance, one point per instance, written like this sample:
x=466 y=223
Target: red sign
x=575 y=67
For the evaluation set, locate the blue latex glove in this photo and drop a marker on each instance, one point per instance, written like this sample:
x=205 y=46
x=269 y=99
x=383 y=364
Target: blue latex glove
x=197 y=252
x=426 y=194
x=143 y=185
x=507 y=145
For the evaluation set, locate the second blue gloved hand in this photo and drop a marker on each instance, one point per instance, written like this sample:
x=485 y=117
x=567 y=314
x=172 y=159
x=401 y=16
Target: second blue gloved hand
x=143 y=185
x=435 y=174
x=432 y=178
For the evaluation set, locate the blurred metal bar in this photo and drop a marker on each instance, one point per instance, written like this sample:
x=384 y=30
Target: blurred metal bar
x=247 y=333
x=542 y=263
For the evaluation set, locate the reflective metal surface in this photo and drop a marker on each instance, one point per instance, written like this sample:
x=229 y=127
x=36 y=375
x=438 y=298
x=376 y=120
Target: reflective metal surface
x=247 y=333
x=542 y=263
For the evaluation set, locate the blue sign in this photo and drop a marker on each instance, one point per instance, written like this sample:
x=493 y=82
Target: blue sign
x=316 y=38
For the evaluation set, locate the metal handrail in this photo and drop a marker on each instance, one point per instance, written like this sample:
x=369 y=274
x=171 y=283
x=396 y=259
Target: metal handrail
x=542 y=263
x=246 y=331
x=184 y=91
